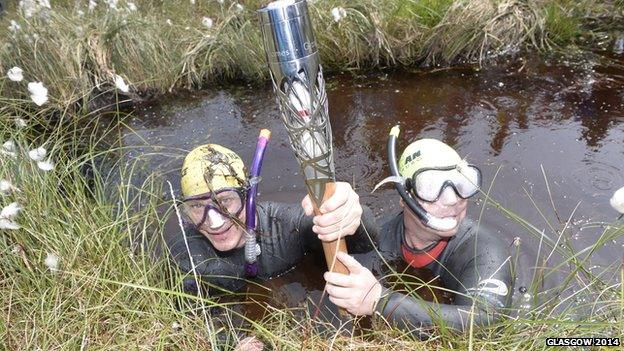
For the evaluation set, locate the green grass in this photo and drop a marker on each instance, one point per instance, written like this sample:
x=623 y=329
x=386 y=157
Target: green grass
x=561 y=24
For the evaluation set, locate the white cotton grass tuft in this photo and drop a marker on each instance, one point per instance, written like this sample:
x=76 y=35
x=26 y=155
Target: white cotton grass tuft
x=168 y=21
x=121 y=84
x=6 y=187
x=44 y=3
x=32 y=7
x=617 y=200
x=92 y=5
x=239 y=7
x=8 y=148
x=28 y=7
x=8 y=224
x=131 y=6
x=17 y=249
x=37 y=154
x=15 y=74
x=52 y=262
x=45 y=165
x=112 y=4
x=6 y=216
x=21 y=123
x=11 y=210
x=207 y=22
x=338 y=13
x=279 y=3
x=14 y=27
x=38 y=93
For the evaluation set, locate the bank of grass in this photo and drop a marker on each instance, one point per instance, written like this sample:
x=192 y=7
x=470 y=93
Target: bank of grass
x=109 y=293
x=163 y=45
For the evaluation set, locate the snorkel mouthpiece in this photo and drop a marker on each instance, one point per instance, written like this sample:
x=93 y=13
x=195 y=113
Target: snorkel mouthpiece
x=252 y=249
x=441 y=224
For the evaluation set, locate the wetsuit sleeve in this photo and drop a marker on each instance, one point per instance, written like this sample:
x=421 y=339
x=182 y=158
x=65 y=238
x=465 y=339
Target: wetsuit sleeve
x=483 y=286
x=214 y=270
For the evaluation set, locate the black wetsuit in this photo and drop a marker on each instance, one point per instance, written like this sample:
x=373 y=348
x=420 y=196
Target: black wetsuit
x=284 y=234
x=475 y=264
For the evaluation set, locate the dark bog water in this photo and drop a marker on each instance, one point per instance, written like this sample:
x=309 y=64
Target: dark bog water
x=526 y=122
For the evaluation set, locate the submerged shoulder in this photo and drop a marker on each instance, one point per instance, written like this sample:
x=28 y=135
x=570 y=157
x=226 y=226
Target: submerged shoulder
x=275 y=218
x=390 y=232
x=271 y=212
x=482 y=233
x=271 y=208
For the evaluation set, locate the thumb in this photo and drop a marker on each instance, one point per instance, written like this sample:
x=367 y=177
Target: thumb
x=351 y=263
x=306 y=203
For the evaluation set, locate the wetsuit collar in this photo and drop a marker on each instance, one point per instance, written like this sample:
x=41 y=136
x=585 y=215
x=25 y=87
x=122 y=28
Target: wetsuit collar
x=421 y=258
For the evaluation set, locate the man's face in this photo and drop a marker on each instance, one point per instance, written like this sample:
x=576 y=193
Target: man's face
x=226 y=239
x=219 y=217
x=449 y=205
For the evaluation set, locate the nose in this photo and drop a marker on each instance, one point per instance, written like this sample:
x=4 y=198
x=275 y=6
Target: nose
x=448 y=197
x=215 y=219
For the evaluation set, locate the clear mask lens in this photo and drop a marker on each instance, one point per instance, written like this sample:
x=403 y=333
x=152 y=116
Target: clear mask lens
x=429 y=184
x=214 y=210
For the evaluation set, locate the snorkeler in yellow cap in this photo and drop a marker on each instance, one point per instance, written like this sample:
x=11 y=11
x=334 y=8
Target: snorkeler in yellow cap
x=215 y=185
x=431 y=233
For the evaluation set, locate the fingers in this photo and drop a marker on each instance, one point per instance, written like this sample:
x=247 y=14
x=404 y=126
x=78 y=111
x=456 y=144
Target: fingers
x=339 y=292
x=349 y=208
x=338 y=279
x=357 y=292
x=340 y=222
x=306 y=203
x=341 y=213
x=337 y=231
x=343 y=303
x=341 y=195
x=351 y=263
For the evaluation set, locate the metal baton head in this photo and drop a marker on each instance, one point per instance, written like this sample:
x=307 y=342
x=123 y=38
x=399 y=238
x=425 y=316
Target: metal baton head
x=287 y=31
x=298 y=82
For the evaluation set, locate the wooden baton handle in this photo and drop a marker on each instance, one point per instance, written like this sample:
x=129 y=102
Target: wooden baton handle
x=331 y=248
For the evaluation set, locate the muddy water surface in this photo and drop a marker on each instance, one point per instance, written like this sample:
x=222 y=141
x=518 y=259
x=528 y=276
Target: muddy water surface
x=548 y=136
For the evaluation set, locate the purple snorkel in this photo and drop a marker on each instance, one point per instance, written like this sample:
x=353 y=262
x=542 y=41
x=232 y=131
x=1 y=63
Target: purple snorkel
x=252 y=249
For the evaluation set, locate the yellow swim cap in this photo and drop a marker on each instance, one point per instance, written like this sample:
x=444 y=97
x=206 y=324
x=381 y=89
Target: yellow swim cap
x=426 y=153
x=211 y=167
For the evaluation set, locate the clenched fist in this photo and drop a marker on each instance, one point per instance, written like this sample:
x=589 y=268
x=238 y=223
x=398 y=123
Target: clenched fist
x=340 y=214
x=357 y=292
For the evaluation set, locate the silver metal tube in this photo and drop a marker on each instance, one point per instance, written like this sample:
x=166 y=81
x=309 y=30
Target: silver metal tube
x=298 y=83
